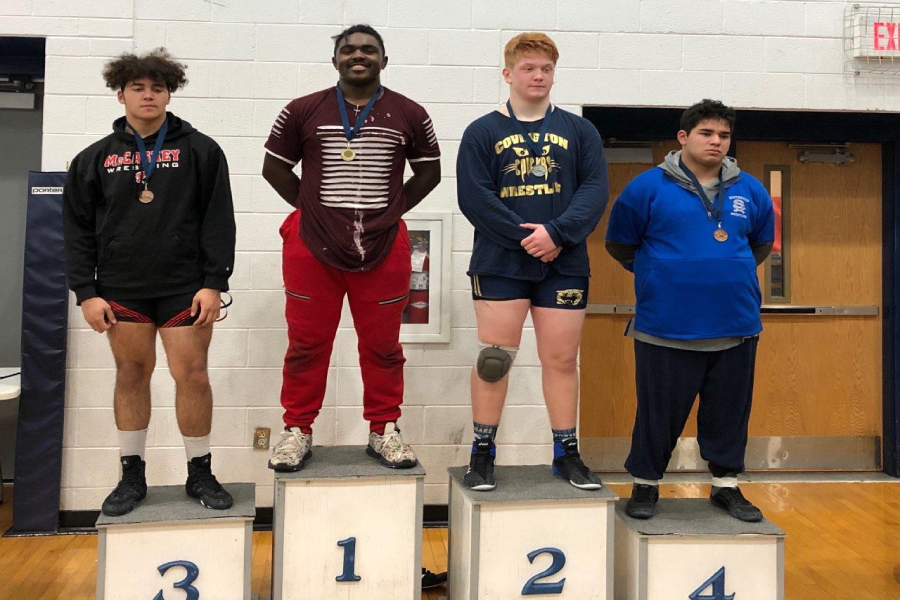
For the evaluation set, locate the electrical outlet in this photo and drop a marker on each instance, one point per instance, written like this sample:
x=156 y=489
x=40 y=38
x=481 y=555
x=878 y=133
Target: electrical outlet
x=261 y=438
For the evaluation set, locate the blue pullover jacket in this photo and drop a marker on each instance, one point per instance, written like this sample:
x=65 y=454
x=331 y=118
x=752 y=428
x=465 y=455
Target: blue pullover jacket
x=687 y=285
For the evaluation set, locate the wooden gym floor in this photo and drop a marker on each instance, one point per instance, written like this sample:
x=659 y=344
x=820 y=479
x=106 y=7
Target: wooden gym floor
x=843 y=541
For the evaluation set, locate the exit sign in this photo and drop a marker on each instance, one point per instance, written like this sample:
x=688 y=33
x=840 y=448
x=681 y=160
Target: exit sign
x=876 y=34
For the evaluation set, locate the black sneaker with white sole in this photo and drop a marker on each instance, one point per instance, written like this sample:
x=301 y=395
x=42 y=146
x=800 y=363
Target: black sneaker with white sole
x=570 y=467
x=204 y=486
x=480 y=476
x=131 y=489
x=432 y=580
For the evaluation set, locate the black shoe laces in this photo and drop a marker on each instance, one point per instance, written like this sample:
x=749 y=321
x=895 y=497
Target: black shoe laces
x=206 y=480
x=131 y=479
x=481 y=460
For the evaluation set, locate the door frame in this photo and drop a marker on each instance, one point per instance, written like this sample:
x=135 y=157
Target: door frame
x=616 y=122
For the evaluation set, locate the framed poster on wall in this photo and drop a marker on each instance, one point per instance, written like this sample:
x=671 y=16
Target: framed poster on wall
x=427 y=315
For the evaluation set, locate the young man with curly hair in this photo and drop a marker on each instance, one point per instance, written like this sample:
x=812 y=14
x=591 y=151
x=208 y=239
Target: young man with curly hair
x=150 y=236
x=693 y=230
x=347 y=237
x=531 y=178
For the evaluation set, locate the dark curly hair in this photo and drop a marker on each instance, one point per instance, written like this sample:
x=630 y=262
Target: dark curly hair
x=156 y=65
x=362 y=28
x=707 y=109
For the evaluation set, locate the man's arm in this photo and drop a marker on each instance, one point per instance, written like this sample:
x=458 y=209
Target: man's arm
x=426 y=176
x=478 y=199
x=589 y=201
x=280 y=175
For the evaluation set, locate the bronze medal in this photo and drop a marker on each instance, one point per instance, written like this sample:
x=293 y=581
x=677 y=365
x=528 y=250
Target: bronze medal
x=146 y=196
x=720 y=234
x=348 y=154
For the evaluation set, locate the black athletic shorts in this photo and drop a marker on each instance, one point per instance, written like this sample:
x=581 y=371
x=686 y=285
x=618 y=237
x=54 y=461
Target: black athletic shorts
x=168 y=311
x=554 y=291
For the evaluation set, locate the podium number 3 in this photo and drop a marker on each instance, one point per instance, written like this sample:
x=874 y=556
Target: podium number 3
x=185 y=584
x=532 y=587
x=349 y=546
x=717 y=582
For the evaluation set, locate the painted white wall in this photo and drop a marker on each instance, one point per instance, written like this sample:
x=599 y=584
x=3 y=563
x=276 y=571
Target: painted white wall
x=247 y=59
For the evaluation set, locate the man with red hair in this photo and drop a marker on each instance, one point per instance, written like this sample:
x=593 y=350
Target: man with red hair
x=532 y=179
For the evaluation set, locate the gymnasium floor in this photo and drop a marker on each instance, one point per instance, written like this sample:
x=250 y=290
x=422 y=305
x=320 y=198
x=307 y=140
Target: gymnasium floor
x=843 y=542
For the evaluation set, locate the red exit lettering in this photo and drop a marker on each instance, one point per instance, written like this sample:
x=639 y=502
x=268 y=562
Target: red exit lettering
x=889 y=32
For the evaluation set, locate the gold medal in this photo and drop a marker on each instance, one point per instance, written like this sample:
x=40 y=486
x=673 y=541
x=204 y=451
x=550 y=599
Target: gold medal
x=146 y=196
x=720 y=234
x=348 y=154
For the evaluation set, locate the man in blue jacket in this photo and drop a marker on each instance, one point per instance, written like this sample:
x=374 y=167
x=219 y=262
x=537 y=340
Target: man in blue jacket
x=693 y=230
x=532 y=179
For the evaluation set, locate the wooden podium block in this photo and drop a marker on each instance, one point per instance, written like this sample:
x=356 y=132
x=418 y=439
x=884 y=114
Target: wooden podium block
x=693 y=550
x=347 y=527
x=170 y=543
x=533 y=535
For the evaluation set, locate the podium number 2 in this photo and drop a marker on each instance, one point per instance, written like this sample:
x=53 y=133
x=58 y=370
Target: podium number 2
x=349 y=546
x=185 y=584
x=532 y=587
x=717 y=582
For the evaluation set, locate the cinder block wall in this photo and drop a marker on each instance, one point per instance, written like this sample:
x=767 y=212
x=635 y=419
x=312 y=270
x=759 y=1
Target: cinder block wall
x=247 y=59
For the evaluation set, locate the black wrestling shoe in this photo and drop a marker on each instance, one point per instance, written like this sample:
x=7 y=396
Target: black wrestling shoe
x=131 y=489
x=570 y=467
x=202 y=484
x=733 y=501
x=480 y=476
x=642 y=504
x=432 y=580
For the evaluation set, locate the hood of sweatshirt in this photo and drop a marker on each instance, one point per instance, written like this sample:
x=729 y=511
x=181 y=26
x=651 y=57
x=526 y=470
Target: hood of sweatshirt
x=672 y=169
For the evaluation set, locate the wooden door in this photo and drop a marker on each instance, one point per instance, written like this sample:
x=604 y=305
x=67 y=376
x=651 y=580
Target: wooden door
x=817 y=399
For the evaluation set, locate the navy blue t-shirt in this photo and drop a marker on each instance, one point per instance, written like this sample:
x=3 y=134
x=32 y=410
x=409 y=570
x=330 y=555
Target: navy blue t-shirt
x=497 y=192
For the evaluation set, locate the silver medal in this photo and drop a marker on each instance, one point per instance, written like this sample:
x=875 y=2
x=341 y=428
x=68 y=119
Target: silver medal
x=538 y=170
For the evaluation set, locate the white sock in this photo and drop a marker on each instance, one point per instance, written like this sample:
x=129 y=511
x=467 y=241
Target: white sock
x=725 y=482
x=653 y=482
x=196 y=446
x=132 y=443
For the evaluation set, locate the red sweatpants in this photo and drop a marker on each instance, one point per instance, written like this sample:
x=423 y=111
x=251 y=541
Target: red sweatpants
x=315 y=293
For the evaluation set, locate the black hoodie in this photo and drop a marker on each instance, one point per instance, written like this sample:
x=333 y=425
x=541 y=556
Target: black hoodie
x=180 y=242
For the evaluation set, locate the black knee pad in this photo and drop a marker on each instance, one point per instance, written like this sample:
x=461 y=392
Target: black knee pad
x=494 y=362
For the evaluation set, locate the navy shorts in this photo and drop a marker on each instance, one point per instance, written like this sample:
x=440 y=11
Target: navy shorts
x=168 y=311
x=554 y=291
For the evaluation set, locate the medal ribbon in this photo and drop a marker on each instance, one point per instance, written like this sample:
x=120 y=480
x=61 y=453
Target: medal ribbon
x=345 y=120
x=150 y=167
x=534 y=146
x=714 y=207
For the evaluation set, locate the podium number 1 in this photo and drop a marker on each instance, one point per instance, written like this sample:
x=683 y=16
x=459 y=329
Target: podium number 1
x=717 y=582
x=349 y=546
x=185 y=584
x=532 y=587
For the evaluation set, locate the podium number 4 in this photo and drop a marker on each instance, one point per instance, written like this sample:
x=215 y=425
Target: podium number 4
x=717 y=582
x=532 y=587
x=185 y=584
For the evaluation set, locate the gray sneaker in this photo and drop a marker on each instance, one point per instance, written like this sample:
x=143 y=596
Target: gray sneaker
x=291 y=451
x=390 y=449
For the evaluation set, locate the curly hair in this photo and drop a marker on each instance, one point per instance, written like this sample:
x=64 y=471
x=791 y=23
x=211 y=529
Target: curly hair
x=156 y=65
x=707 y=109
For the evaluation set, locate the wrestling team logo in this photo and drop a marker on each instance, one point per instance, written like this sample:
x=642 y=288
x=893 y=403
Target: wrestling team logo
x=569 y=297
x=524 y=162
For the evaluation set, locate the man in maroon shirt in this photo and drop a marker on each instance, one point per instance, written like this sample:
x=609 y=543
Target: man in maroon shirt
x=347 y=237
